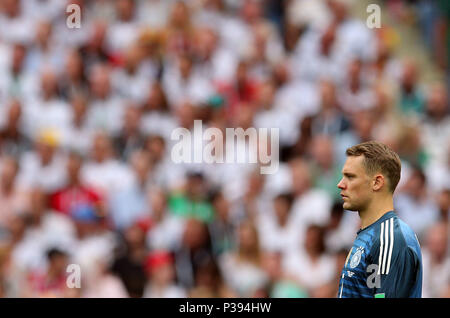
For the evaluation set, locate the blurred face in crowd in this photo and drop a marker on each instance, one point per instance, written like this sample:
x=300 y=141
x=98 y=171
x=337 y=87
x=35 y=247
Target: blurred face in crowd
x=437 y=240
x=196 y=187
x=301 y=178
x=135 y=236
x=437 y=105
x=339 y=9
x=327 y=94
x=102 y=148
x=416 y=184
x=363 y=123
x=37 y=202
x=266 y=95
x=132 y=119
x=14 y=114
x=443 y=201
x=251 y=11
x=255 y=183
x=179 y=17
x=195 y=234
x=140 y=162
x=355 y=185
x=11 y=8
x=74 y=164
x=260 y=38
x=98 y=35
x=157 y=99
x=58 y=263
x=383 y=101
x=100 y=81
x=244 y=117
x=9 y=172
x=158 y=203
x=74 y=65
x=410 y=141
x=282 y=208
x=272 y=265
x=49 y=84
x=281 y=74
x=248 y=238
x=221 y=207
x=125 y=9
x=17 y=227
x=208 y=276
x=354 y=74
x=43 y=32
x=409 y=76
x=214 y=4
x=328 y=39
x=185 y=66
x=314 y=240
x=79 y=108
x=322 y=151
x=133 y=58
x=18 y=57
x=45 y=151
x=242 y=72
x=383 y=52
x=156 y=147
x=205 y=42
x=185 y=115
x=163 y=273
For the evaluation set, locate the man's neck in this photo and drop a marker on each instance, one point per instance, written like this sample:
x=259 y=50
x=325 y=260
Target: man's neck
x=375 y=211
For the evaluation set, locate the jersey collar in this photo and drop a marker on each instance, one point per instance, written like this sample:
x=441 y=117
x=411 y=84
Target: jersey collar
x=384 y=217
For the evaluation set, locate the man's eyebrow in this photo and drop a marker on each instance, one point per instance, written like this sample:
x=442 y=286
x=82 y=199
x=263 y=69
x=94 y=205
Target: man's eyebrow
x=348 y=174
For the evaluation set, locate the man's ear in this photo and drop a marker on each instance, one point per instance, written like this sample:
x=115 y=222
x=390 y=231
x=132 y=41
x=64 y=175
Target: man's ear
x=378 y=182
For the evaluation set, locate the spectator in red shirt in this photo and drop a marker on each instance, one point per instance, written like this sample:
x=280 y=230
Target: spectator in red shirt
x=74 y=194
x=52 y=282
x=240 y=92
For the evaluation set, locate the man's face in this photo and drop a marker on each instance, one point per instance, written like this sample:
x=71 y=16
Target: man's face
x=355 y=184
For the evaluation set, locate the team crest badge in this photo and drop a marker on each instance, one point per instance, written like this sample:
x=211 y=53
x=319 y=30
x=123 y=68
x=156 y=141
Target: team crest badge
x=356 y=258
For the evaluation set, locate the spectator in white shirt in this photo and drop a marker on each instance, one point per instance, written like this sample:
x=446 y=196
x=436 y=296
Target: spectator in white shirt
x=104 y=172
x=47 y=110
x=77 y=135
x=436 y=262
x=124 y=31
x=15 y=24
x=43 y=167
x=45 y=51
x=414 y=205
x=310 y=266
x=183 y=83
x=242 y=269
x=130 y=82
x=166 y=229
x=106 y=110
x=278 y=231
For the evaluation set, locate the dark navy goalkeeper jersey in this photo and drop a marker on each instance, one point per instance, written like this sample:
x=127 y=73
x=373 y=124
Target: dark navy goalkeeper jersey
x=384 y=262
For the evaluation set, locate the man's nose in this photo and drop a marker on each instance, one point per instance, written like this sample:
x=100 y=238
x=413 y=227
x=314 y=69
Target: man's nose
x=340 y=185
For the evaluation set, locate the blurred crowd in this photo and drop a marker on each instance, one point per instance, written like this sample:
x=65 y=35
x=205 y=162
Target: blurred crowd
x=86 y=176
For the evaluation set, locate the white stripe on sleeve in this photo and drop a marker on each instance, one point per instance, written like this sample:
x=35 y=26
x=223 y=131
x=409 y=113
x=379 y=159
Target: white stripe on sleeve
x=392 y=245
x=386 y=245
x=381 y=248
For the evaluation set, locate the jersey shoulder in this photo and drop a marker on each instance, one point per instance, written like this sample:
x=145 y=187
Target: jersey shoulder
x=392 y=238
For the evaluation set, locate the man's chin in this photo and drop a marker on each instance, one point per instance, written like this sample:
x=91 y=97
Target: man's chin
x=348 y=207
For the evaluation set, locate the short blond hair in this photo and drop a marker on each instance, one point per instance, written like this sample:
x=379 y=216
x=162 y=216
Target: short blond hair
x=379 y=158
